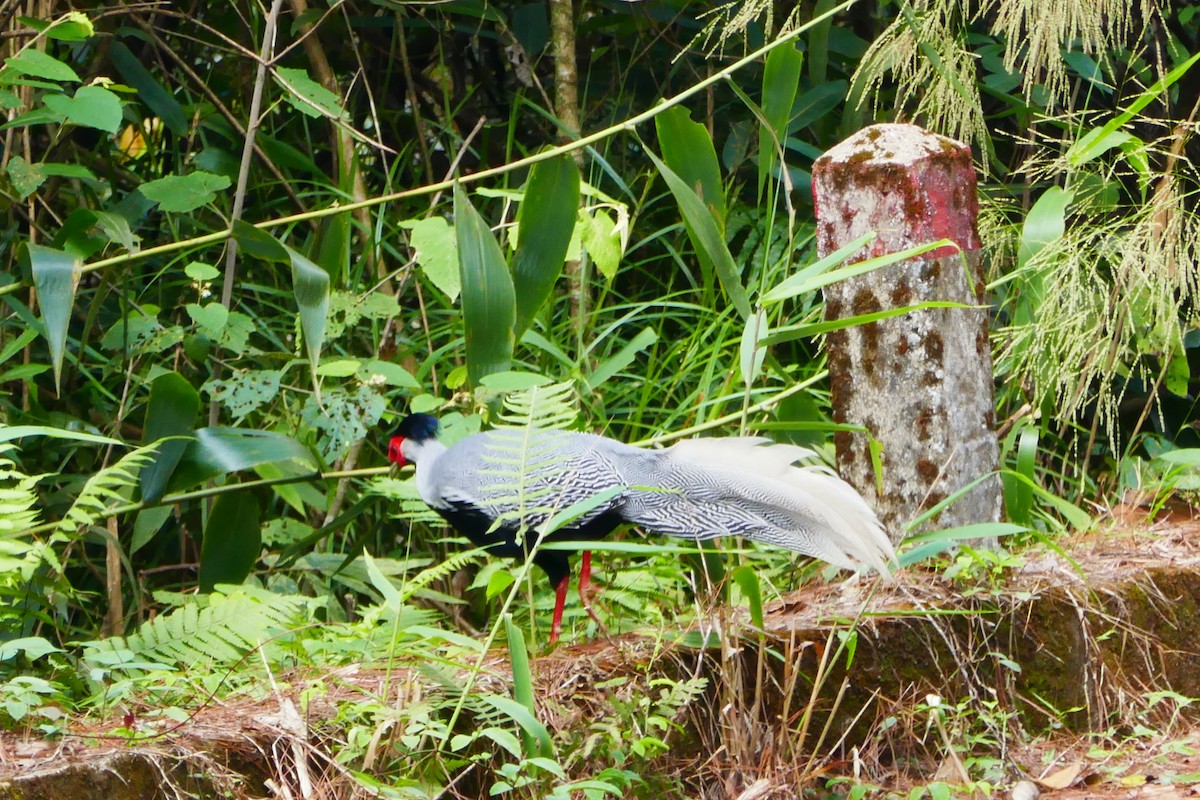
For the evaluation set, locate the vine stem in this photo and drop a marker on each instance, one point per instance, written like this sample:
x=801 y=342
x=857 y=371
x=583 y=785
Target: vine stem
x=475 y=177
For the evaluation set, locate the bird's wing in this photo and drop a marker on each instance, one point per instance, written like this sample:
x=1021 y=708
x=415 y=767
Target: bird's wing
x=523 y=477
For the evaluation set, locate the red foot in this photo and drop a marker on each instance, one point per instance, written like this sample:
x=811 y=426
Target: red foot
x=560 y=600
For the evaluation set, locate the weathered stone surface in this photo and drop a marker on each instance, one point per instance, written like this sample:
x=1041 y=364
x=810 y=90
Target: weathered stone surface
x=921 y=383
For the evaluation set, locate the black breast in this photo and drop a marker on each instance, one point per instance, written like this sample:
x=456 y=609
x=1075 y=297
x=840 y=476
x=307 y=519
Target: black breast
x=477 y=525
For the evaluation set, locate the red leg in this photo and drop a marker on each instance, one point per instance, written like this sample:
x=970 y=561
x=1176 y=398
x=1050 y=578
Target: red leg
x=585 y=583
x=560 y=600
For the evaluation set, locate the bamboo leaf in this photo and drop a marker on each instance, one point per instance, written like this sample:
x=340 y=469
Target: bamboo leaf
x=488 y=298
x=170 y=412
x=688 y=150
x=56 y=277
x=220 y=451
x=149 y=90
x=232 y=540
x=781 y=78
x=706 y=236
x=545 y=222
x=310 y=284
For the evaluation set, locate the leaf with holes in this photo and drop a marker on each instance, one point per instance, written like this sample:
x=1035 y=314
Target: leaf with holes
x=306 y=95
x=245 y=391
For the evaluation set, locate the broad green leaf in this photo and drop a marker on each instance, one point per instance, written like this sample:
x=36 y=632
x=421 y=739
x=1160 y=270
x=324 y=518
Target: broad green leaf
x=171 y=411
x=183 y=193
x=604 y=243
x=1045 y=222
x=545 y=222
x=339 y=368
x=621 y=359
x=32 y=647
x=201 y=272
x=1178 y=375
x=383 y=584
x=752 y=350
x=706 y=236
x=70 y=27
x=25 y=177
x=1188 y=457
x=332 y=252
x=488 y=298
x=436 y=251
x=221 y=451
x=306 y=95
x=781 y=78
x=147 y=524
x=1018 y=495
x=391 y=374
x=232 y=540
x=149 y=90
x=818 y=43
x=210 y=318
x=688 y=150
x=55 y=276
x=259 y=243
x=40 y=65
x=747 y=580
x=90 y=107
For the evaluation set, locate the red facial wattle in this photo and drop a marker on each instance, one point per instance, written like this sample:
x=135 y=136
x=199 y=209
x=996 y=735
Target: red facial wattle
x=395 y=455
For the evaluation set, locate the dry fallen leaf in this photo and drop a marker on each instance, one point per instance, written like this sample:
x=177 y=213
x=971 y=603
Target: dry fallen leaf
x=1062 y=777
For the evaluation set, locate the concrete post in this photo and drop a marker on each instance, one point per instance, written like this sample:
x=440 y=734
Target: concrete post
x=921 y=382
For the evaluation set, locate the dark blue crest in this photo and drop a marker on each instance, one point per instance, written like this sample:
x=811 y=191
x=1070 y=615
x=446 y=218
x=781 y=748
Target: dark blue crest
x=418 y=427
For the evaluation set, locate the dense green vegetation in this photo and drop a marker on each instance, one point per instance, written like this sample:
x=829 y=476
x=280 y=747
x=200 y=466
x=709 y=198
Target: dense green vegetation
x=241 y=241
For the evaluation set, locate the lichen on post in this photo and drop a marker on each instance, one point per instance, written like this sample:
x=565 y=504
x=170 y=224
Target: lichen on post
x=920 y=382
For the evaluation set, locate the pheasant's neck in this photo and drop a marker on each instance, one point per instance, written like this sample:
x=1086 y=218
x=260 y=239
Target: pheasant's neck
x=426 y=457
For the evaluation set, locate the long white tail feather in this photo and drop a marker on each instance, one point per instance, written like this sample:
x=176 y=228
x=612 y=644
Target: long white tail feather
x=852 y=536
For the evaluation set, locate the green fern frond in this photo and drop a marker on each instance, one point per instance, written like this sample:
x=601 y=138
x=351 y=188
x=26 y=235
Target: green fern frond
x=17 y=498
x=222 y=631
x=110 y=486
x=439 y=571
x=555 y=405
